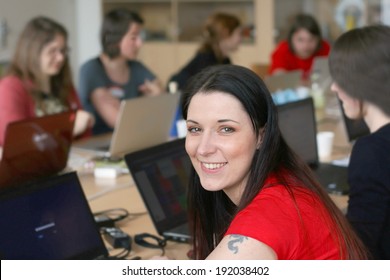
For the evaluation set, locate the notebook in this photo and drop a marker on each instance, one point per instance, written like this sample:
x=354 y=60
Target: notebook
x=142 y=122
x=298 y=126
x=282 y=81
x=36 y=147
x=161 y=174
x=49 y=219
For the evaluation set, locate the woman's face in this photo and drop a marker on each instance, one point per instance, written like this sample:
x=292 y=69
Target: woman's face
x=221 y=142
x=53 y=56
x=231 y=43
x=131 y=41
x=351 y=105
x=304 y=43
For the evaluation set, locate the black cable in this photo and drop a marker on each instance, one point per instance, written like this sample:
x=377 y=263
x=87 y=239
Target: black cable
x=108 y=218
x=151 y=241
x=117 y=239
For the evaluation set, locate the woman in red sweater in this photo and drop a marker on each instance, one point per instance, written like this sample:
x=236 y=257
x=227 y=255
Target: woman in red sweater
x=304 y=43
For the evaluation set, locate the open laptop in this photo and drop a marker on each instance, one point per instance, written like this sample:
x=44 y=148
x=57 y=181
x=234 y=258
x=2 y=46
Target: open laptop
x=36 y=147
x=161 y=175
x=298 y=126
x=282 y=81
x=142 y=122
x=320 y=66
x=49 y=219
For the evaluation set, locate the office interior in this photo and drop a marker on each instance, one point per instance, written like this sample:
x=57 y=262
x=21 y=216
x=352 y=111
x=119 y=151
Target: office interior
x=172 y=35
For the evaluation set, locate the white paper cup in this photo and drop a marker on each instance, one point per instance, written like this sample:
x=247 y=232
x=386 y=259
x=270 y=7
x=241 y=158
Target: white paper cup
x=181 y=127
x=325 y=143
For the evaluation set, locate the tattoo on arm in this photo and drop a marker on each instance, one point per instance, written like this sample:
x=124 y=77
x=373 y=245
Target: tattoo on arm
x=235 y=241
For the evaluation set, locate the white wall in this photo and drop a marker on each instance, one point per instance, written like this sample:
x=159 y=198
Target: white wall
x=81 y=18
x=88 y=15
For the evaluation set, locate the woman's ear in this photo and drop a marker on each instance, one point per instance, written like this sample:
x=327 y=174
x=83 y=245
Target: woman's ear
x=260 y=137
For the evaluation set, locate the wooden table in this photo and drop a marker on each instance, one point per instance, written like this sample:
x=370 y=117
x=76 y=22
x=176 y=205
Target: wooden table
x=105 y=194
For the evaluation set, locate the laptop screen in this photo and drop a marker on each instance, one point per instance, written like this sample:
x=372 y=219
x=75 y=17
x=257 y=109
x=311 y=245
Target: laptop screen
x=282 y=81
x=298 y=126
x=50 y=219
x=161 y=175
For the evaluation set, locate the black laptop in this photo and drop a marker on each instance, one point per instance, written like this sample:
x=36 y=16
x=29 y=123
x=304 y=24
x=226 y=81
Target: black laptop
x=161 y=175
x=49 y=219
x=298 y=126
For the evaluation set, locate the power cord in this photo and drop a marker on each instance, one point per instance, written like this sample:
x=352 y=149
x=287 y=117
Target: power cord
x=117 y=239
x=108 y=218
x=151 y=241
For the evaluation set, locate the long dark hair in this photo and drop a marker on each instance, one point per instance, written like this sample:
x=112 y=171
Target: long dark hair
x=363 y=48
x=25 y=63
x=115 y=25
x=210 y=213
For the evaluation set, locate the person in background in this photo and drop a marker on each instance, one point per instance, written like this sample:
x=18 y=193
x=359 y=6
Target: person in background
x=38 y=79
x=222 y=36
x=360 y=67
x=250 y=196
x=115 y=75
x=304 y=43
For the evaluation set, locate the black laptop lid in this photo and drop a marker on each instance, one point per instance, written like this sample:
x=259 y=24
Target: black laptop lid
x=161 y=175
x=36 y=147
x=298 y=126
x=49 y=219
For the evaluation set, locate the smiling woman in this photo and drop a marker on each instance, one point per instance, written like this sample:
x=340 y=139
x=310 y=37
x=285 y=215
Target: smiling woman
x=250 y=197
x=38 y=81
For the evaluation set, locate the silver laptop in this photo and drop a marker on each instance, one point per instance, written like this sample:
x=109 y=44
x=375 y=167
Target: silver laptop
x=282 y=81
x=161 y=174
x=142 y=122
x=320 y=68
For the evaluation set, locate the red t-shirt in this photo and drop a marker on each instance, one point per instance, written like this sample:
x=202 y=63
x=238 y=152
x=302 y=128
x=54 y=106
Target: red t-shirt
x=273 y=219
x=283 y=58
x=16 y=103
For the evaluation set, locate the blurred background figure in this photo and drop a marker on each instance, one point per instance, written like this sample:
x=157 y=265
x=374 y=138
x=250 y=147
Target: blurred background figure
x=304 y=43
x=115 y=74
x=222 y=36
x=360 y=66
x=38 y=79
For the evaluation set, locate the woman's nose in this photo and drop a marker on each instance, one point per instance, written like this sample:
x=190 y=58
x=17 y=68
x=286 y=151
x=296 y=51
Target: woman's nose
x=207 y=144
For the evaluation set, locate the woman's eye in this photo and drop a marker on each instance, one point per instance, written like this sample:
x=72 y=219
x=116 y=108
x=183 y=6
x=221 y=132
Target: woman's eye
x=193 y=129
x=227 y=129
